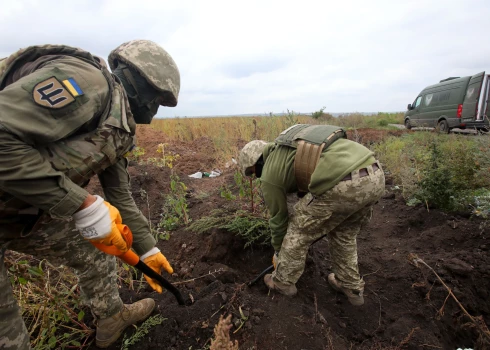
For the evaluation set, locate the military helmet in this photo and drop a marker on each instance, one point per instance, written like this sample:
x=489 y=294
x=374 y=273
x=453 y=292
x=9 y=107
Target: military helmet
x=153 y=63
x=250 y=154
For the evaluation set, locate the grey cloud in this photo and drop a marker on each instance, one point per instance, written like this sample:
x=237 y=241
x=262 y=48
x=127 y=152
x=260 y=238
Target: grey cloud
x=246 y=68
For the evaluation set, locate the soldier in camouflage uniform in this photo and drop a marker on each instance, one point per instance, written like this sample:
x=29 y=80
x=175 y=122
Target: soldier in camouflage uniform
x=340 y=184
x=63 y=119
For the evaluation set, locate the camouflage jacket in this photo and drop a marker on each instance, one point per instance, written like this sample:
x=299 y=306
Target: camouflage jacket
x=278 y=178
x=63 y=119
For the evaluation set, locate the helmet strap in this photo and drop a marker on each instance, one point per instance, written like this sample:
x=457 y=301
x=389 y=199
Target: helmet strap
x=127 y=73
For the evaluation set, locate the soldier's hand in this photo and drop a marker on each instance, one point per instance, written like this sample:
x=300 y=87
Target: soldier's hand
x=157 y=261
x=98 y=223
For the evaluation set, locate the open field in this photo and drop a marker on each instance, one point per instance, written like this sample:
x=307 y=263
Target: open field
x=407 y=306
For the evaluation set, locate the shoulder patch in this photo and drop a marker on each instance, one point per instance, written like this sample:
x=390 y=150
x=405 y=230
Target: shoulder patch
x=51 y=93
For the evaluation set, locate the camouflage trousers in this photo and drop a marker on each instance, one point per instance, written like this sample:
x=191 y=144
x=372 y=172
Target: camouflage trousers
x=338 y=214
x=60 y=243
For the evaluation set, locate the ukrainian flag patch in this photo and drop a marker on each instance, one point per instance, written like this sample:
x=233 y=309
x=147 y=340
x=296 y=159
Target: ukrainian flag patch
x=72 y=86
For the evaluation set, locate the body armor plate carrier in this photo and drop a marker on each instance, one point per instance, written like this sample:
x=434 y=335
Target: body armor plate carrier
x=310 y=141
x=82 y=156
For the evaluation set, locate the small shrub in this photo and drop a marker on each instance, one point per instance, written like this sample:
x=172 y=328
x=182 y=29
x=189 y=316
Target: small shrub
x=141 y=331
x=175 y=211
x=445 y=171
x=225 y=192
x=437 y=187
x=318 y=114
x=252 y=228
x=166 y=160
x=136 y=154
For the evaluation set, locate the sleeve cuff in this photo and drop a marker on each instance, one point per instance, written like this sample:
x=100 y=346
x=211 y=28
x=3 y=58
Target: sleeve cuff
x=151 y=252
x=69 y=204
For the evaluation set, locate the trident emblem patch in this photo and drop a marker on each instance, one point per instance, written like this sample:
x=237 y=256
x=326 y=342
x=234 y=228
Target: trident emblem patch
x=51 y=93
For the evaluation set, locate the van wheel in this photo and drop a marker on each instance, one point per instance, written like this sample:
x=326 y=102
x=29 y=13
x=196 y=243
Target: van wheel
x=408 y=126
x=443 y=127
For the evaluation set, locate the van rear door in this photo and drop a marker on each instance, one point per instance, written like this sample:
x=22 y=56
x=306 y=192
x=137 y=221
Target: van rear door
x=472 y=97
x=484 y=103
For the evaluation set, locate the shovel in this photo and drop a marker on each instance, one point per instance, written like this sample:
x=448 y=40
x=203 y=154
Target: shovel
x=131 y=258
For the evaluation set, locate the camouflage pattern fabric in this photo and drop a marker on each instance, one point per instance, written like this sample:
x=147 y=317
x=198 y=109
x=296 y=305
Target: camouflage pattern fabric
x=60 y=243
x=250 y=154
x=38 y=136
x=153 y=63
x=339 y=213
x=33 y=52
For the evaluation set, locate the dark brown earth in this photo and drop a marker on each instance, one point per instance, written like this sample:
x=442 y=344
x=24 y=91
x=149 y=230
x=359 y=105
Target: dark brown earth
x=404 y=307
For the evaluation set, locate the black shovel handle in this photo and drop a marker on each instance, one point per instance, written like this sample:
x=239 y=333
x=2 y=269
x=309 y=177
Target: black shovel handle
x=262 y=274
x=162 y=281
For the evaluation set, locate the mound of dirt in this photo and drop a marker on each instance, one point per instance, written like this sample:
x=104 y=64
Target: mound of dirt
x=406 y=307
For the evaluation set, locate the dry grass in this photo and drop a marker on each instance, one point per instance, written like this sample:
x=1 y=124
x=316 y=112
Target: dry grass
x=227 y=133
x=221 y=339
x=50 y=302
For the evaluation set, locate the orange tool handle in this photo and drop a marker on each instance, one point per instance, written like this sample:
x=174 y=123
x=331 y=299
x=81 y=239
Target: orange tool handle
x=128 y=257
x=133 y=259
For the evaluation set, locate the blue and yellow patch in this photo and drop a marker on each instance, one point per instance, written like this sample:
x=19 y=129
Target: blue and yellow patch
x=73 y=87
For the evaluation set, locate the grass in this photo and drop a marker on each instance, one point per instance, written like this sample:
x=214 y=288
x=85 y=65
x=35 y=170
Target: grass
x=253 y=228
x=445 y=171
x=49 y=296
x=227 y=133
x=50 y=301
x=141 y=331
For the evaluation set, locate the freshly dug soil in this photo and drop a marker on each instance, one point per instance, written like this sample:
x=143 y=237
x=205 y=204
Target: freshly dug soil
x=405 y=305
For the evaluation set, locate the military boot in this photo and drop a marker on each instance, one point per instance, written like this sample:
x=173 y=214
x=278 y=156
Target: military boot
x=289 y=290
x=355 y=296
x=110 y=329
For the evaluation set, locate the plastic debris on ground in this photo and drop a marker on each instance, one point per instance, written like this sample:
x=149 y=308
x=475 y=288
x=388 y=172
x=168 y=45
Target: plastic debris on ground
x=201 y=174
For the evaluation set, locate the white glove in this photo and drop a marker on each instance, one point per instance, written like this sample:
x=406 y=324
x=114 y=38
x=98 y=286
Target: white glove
x=94 y=222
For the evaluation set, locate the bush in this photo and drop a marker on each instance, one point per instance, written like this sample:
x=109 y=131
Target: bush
x=445 y=171
x=318 y=114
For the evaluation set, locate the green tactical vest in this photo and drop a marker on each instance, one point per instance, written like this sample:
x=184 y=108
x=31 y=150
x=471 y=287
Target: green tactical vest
x=82 y=156
x=310 y=141
x=315 y=134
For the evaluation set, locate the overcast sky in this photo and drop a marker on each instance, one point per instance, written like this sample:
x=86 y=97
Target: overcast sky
x=270 y=56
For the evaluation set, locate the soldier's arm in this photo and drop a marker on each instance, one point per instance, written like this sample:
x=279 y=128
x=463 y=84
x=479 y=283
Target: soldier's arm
x=276 y=202
x=37 y=110
x=116 y=186
x=27 y=176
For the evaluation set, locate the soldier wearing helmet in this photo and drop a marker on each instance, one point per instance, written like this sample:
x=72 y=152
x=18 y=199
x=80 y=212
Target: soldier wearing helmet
x=64 y=119
x=338 y=181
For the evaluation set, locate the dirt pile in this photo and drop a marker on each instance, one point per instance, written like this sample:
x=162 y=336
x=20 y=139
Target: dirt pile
x=405 y=307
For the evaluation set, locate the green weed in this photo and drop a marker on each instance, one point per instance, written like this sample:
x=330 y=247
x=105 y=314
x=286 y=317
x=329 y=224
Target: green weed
x=444 y=171
x=254 y=229
x=225 y=192
x=50 y=302
x=167 y=159
x=136 y=154
x=175 y=210
x=141 y=331
x=319 y=113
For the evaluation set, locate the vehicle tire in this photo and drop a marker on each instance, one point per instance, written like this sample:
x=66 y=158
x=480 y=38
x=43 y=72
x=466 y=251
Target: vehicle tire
x=408 y=126
x=443 y=127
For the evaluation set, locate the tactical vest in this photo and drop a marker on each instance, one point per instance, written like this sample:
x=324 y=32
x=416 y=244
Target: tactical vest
x=82 y=156
x=310 y=141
